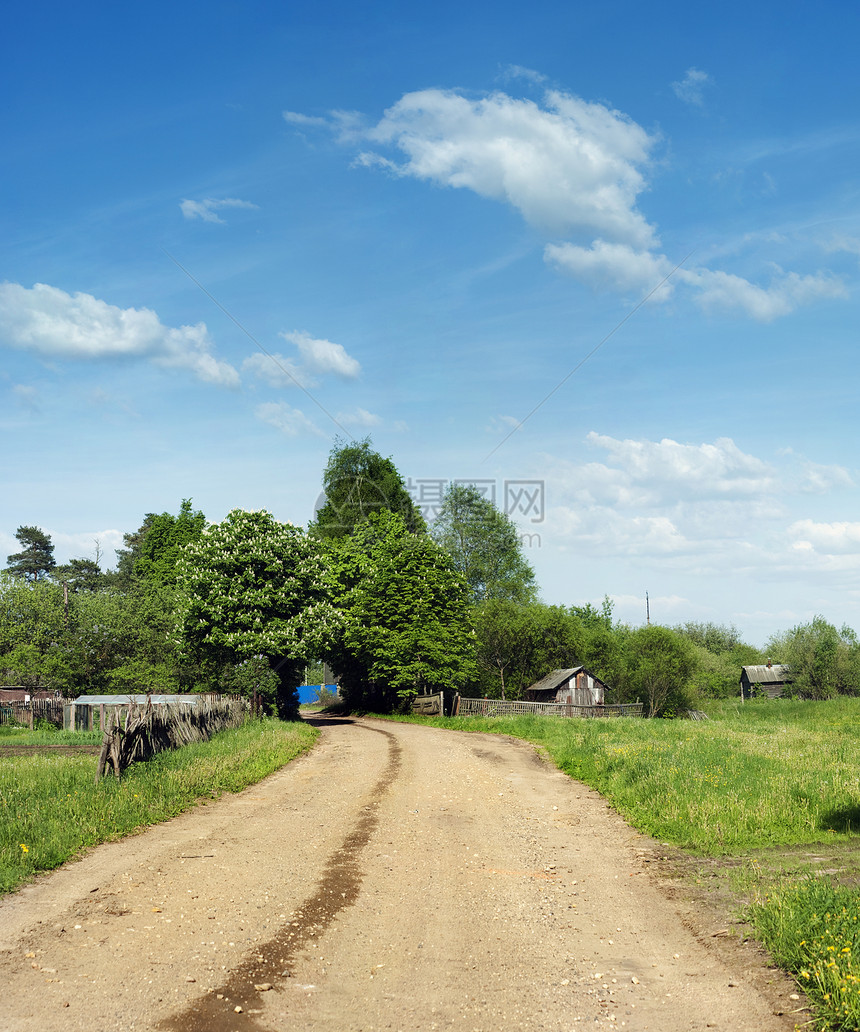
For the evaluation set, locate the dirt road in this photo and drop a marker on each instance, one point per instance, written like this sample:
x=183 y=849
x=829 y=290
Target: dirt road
x=397 y=877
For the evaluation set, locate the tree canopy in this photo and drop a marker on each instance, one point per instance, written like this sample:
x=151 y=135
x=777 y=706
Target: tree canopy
x=484 y=544
x=405 y=615
x=251 y=586
x=359 y=482
x=36 y=560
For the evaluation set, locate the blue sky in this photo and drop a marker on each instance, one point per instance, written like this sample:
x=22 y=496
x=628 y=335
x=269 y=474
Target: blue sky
x=232 y=233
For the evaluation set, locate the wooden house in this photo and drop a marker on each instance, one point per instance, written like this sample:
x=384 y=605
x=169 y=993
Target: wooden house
x=767 y=679
x=575 y=686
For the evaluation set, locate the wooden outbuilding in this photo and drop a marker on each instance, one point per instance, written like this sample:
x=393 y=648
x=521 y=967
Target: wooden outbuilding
x=765 y=679
x=573 y=686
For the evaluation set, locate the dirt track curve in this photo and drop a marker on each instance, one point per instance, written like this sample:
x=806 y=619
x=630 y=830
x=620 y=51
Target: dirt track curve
x=397 y=877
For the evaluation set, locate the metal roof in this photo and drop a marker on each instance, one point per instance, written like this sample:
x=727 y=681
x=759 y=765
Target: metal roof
x=554 y=679
x=776 y=673
x=141 y=700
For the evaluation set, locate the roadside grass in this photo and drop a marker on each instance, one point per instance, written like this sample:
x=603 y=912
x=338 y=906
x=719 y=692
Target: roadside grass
x=54 y=736
x=743 y=792
x=51 y=808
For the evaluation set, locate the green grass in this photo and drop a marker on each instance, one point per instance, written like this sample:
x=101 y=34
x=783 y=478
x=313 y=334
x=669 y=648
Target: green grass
x=761 y=775
x=55 y=736
x=51 y=809
x=751 y=785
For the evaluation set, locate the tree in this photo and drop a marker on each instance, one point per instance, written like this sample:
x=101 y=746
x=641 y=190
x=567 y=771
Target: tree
x=357 y=483
x=824 y=661
x=80 y=575
x=251 y=586
x=484 y=544
x=162 y=543
x=660 y=666
x=36 y=559
x=405 y=615
x=519 y=644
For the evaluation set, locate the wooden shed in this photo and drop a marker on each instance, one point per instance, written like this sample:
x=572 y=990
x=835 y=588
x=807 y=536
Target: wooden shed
x=766 y=679
x=574 y=685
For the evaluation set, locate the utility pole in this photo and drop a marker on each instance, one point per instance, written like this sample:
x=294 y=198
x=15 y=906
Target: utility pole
x=647 y=610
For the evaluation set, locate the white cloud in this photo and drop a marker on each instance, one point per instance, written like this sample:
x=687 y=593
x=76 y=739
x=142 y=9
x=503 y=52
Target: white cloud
x=613 y=266
x=278 y=370
x=207 y=208
x=785 y=293
x=570 y=166
x=322 y=356
x=51 y=322
x=290 y=421
x=359 y=417
x=83 y=545
x=710 y=507
x=318 y=358
x=713 y=470
x=841 y=538
x=690 y=88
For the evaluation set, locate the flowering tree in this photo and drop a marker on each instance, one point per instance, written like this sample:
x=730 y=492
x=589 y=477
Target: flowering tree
x=251 y=587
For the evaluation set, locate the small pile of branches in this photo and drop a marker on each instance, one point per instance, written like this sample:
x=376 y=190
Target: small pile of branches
x=150 y=729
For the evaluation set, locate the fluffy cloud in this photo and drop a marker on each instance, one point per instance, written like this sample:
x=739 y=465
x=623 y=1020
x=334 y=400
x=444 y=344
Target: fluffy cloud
x=612 y=266
x=208 y=208
x=842 y=538
x=322 y=356
x=51 y=322
x=289 y=421
x=567 y=167
x=359 y=417
x=689 y=89
x=318 y=357
x=709 y=507
x=715 y=470
x=572 y=168
x=785 y=293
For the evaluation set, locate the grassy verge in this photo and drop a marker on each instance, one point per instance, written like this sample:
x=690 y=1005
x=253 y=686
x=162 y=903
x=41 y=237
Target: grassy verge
x=763 y=798
x=24 y=736
x=51 y=809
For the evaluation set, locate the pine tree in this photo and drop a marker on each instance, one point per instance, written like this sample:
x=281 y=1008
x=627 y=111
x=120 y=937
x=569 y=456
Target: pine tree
x=36 y=559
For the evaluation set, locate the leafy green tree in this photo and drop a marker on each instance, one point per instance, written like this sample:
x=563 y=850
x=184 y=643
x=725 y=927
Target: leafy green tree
x=31 y=613
x=484 y=544
x=36 y=560
x=518 y=644
x=359 y=482
x=161 y=545
x=716 y=638
x=660 y=665
x=80 y=575
x=251 y=586
x=405 y=616
x=824 y=661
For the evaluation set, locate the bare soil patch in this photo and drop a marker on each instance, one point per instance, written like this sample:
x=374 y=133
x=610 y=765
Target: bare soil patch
x=397 y=877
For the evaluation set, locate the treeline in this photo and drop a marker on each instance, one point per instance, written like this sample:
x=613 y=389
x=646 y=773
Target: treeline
x=243 y=606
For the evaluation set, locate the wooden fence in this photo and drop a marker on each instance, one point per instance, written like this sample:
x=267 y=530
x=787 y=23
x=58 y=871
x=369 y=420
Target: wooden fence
x=508 y=707
x=27 y=713
x=151 y=729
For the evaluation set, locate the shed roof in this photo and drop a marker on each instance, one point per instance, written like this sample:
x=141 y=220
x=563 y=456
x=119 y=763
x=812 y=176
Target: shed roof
x=553 y=679
x=141 y=700
x=776 y=673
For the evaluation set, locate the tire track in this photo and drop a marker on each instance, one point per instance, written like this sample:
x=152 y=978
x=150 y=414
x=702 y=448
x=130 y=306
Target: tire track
x=338 y=889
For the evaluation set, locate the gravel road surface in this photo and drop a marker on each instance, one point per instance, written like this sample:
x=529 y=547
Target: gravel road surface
x=397 y=877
